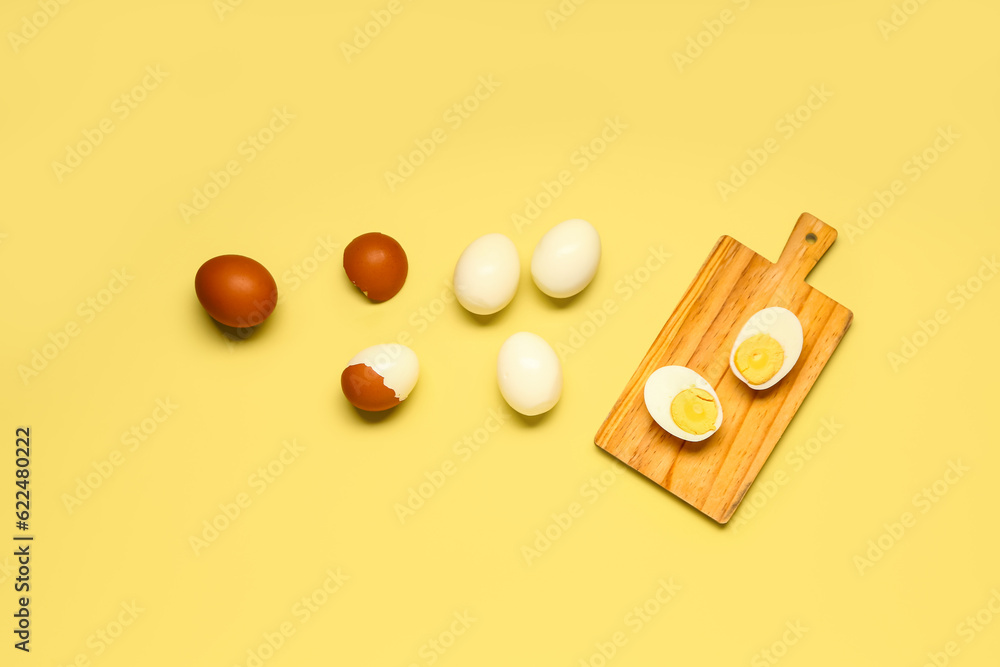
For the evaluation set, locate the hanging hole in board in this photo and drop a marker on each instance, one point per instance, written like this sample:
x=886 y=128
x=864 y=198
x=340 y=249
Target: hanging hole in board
x=810 y=238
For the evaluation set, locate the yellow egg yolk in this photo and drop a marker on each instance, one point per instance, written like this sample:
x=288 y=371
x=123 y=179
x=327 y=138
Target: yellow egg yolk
x=759 y=358
x=694 y=411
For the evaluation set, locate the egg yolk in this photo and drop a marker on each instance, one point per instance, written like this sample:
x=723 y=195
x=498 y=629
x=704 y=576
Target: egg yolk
x=759 y=358
x=694 y=411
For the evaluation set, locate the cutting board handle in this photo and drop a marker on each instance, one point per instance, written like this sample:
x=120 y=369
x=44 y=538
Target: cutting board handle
x=807 y=244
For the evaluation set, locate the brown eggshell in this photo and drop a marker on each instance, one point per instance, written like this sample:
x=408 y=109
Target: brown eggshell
x=377 y=265
x=236 y=290
x=366 y=389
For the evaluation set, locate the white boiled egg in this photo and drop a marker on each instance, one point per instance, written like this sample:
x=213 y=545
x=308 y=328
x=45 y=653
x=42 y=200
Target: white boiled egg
x=683 y=403
x=487 y=274
x=767 y=347
x=566 y=258
x=529 y=374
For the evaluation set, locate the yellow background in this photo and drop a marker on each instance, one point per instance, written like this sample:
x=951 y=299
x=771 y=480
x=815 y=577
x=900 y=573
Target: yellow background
x=789 y=558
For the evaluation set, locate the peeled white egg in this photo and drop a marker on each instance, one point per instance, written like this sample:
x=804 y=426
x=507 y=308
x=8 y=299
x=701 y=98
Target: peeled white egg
x=668 y=403
x=566 y=258
x=487 y=274
x=773 y=339
x=529 y=374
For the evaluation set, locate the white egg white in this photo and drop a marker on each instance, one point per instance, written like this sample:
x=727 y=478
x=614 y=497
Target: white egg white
x=663 y=386
x=487 y=274
x=397 y=364
x=529 y=374
x=783 y=326
x=566 y=258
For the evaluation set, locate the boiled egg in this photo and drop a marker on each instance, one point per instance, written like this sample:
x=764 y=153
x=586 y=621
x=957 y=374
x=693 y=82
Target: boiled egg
x=236 y=291
x=487 y=274
x=529 y=374
x=683 y=403
x=377 y=265
x=380 y=377
x=767 y=347
x=566 y=258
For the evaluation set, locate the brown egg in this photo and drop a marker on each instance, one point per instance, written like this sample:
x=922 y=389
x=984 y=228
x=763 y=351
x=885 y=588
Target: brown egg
x=236 y=290
x=366 y=389
x=376 y=264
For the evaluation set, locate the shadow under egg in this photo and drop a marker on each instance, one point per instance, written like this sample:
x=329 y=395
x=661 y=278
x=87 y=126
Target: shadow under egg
x=236 y=334
x=485 y=320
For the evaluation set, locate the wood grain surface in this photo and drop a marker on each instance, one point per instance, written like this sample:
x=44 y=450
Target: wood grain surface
x=733 y=284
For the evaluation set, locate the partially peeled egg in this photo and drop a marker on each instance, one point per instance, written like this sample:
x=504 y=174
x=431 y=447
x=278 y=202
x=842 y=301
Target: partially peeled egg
x=380 y=377
x=767 y=347
x=683 y=403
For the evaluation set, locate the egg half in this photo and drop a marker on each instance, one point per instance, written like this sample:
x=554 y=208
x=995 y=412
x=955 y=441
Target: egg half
x=683 y=403
x=767 y=347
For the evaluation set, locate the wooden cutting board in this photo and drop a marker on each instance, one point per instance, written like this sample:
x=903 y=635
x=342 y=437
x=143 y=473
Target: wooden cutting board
x=733 y=284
